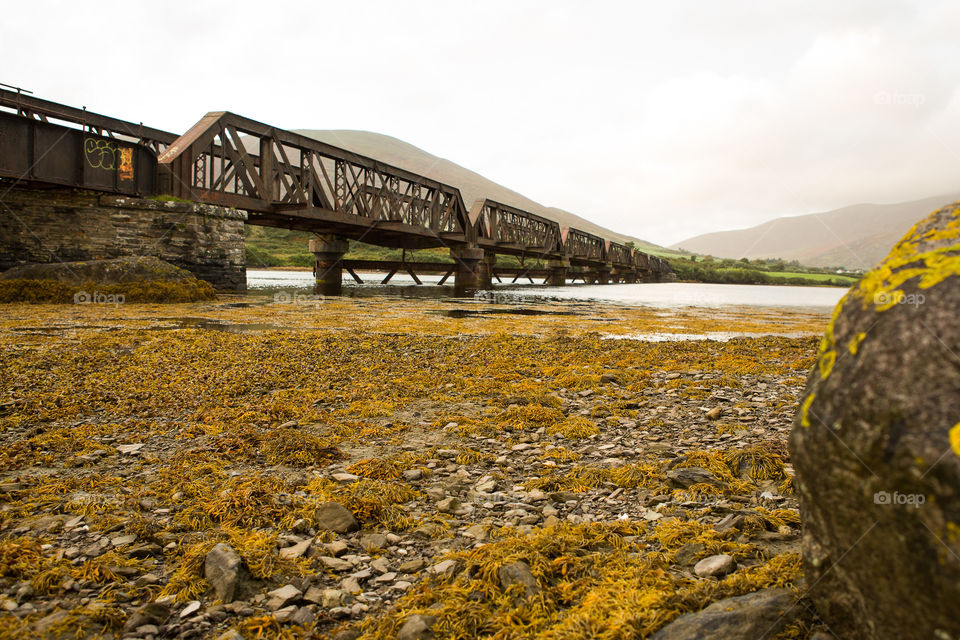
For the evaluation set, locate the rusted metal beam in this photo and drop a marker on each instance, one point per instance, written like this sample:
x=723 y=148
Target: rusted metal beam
x=45 y=110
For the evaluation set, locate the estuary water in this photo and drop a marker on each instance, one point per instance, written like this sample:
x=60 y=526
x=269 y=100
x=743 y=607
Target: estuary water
x=663 y=295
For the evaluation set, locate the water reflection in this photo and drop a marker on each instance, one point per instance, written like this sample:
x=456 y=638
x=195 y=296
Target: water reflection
x=665 y=295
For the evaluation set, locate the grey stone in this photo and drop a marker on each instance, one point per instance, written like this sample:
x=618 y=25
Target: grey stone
x=444 y=567
x=715 y=566
x=283 y=596
x=335 y=564
x=221 y=569
x=380 y=565
x=448 y=505
x=337 y=518
x=332 y=598
x=351 y=585
x=302 y=617
x=417 y=627
x=119 y=541
x=296 y=551
x=687 y=476
x=485 y=484
x=42 y=626
x=518 y=573
x=373 y=542
x=476 y=531
x=337 y=547
x=757 y=615
x=283 y=614
x=877 y=451
x=150 y=613
x=314 y=595
x=413 y=565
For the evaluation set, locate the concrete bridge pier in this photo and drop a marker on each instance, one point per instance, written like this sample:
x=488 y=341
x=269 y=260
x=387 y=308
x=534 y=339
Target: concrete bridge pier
x=328 y=250
x=473 y=272
x=558 y=272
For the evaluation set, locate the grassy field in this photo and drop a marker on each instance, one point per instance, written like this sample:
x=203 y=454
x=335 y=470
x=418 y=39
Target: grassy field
x=816 y=277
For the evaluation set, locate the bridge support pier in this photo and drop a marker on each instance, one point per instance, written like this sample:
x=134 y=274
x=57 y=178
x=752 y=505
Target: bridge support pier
x=558 y=272
x=329 y=250
x=603 y=275
x=473 y=272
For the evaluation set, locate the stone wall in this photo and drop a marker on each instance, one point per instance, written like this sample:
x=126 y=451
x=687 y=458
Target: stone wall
x=49 y=225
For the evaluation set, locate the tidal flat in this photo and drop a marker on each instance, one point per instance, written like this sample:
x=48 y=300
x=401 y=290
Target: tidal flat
x=545 y=470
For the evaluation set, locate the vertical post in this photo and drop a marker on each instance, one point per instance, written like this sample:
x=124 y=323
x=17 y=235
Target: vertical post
x=329 y=250
x=473 y=269
x=266 y=170
x=603 y=274
x=558 y=272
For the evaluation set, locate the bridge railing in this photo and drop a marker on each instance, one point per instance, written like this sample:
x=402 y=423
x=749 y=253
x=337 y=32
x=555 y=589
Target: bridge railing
x=506 y=229
x=234 y=161
x=619 y=254
x=24 y=104
x=641 y=261
x=583 y=246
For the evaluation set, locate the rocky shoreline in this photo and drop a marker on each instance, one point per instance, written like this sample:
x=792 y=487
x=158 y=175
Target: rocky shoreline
x=309 y=479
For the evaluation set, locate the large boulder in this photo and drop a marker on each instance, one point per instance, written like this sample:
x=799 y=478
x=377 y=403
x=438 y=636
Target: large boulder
x=134 y=279
x=115 y=271
x=755 y=616
x=876 y=446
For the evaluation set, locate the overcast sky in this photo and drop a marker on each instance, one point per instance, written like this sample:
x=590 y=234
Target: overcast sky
x=659 y=119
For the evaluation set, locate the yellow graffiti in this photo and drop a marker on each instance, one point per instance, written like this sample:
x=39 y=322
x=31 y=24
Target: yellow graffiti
x=100 y=154
x=105 y=154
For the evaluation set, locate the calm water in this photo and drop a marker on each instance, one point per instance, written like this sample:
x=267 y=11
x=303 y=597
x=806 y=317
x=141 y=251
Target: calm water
x=666 y=295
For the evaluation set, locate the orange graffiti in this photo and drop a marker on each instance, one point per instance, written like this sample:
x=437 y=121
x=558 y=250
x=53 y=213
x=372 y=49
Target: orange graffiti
x=126 y=164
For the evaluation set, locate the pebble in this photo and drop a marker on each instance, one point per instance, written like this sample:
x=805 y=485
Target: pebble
x=715 y=566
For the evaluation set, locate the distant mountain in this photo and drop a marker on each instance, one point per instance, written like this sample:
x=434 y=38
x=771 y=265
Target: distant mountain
x=855 y=237
x=472 y=185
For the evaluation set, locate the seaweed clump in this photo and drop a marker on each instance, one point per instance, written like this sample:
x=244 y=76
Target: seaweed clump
x=596 y=580
x=55 y=291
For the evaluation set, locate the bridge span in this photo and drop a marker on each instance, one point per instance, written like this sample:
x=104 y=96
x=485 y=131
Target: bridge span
x=283 y=179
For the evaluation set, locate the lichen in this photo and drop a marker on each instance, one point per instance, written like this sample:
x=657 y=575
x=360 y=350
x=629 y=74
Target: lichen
x=955 y=438
x=881 y=287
